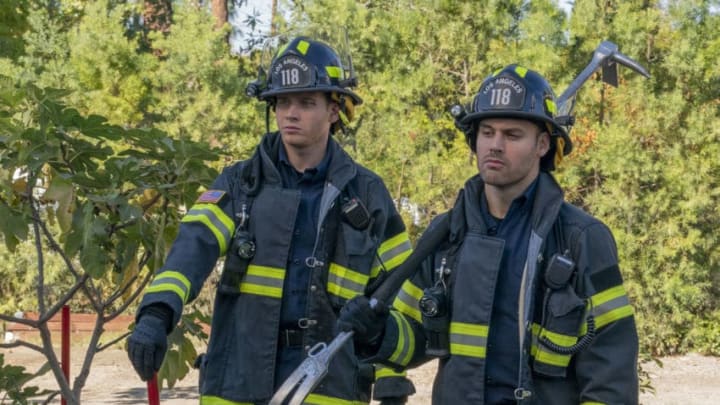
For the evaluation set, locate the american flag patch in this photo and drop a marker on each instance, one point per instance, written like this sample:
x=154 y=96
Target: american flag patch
x=211 y=196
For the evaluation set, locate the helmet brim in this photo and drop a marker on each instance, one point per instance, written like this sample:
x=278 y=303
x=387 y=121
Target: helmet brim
x=559 y=131
x=266 y=95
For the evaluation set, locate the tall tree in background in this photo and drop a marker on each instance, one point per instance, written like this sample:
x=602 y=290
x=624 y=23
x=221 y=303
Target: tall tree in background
x=157 y=18
x=220 y=12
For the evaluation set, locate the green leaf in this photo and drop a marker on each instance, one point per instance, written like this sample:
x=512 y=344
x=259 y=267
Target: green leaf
x=61 y=191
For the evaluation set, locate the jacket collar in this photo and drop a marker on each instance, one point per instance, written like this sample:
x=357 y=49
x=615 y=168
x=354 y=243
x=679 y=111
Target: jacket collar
x=546 y=205
x=341 y=167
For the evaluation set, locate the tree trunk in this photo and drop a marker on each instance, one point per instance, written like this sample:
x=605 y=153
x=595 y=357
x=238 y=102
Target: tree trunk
x=220 y=12
x=157 y=16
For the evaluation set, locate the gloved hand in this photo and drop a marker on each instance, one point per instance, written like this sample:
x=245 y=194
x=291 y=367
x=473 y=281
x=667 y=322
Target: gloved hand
x=368 y=324
x=147 y=345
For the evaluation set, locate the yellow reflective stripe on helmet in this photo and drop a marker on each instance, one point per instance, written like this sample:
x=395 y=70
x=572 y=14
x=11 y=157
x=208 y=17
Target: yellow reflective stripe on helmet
x=609 y=306
x=543 y=354
x=215 y=219
x=383 y=372
x=211 y=400
x=171 y=281
x=521 y=71
x=468 y=339
x=406 y=341
x=303 y=46
x=407 y=300
x=262 y=280
x=392 y=252
x=344 y=282
x=317 y=399
x=334 y=71
x=550 y=105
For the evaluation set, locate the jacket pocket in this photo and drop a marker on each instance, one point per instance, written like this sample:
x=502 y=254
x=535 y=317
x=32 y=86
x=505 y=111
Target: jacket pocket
x=554 y=341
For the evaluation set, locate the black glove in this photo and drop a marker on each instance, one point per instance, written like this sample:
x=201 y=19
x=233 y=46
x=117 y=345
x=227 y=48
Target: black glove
x=148 y=343
x=368 y=324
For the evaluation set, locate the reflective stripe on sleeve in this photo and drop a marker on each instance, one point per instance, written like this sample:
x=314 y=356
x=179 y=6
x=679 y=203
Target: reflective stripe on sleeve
x=392 y=252
x=407 y=300
x=468 y=339
x=344 y=282
x=406 y=341
x=171 y=281
x=262 y=280
x=383 y=372
x=609 y=306
x=215 y=220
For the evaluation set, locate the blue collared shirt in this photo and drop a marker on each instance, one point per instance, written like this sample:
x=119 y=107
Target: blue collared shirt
x=503 y=348
x=310 y=184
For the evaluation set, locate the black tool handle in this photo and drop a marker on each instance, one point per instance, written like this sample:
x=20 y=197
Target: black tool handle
x=428 y=242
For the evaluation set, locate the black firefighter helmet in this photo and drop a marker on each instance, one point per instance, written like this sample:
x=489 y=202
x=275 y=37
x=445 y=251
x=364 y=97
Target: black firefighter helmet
x=521 y=93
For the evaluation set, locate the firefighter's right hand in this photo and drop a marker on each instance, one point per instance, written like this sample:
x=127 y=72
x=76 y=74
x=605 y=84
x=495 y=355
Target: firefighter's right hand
x=367 y=323
x=147 y=345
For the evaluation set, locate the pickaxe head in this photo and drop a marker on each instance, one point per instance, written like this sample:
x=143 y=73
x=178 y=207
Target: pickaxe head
x=606 y=57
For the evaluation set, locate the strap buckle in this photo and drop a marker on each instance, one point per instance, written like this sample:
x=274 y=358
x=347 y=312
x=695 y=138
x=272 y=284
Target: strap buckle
x=522 y=393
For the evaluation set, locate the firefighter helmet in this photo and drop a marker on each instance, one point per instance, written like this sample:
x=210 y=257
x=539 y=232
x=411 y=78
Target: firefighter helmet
x=517 y=92
x=304 y=64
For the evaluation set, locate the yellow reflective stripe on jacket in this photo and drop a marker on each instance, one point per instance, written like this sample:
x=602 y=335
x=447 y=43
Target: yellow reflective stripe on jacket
x=543 y=354
x=317 y=399
x=344 y=282
x=392 y=252
x=171 y=281
x=211 y=400
x=215 y=219
x=262 y=280
x=407 y=300
x=609 y=306
x=467 y=339
x=405 y=342
x=383 y=372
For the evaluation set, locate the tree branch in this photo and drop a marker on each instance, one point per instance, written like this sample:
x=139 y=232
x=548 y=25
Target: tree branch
x=112 y=342
x=55 y=366
x=81 y=378
x=29 y=322
x=19 y=343
x=55 y=247
x=44 y=317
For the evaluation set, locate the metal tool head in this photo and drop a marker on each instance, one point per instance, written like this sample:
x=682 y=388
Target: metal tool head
x=606 y=57
x=310 y=372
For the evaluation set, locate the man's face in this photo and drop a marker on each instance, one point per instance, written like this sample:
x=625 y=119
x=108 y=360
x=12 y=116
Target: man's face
x=509 y=151
x=304 y=119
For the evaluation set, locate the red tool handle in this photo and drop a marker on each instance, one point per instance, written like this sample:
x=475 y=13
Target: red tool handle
x=153 y=392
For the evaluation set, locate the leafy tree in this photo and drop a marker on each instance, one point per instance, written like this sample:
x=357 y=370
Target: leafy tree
x=104 y=200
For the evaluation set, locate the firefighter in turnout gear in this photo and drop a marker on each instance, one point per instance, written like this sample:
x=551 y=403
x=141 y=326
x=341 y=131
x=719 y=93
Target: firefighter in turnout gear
x=302 y=229
x=523 y=302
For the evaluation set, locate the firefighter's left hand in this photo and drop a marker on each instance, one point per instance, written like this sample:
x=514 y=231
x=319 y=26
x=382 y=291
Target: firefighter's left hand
x=367 y=323
x=147 y=345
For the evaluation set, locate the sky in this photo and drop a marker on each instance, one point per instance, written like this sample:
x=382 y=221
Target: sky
x=264 y=7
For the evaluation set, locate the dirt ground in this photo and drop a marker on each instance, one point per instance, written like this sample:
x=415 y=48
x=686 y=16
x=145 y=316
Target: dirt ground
x=684 y=380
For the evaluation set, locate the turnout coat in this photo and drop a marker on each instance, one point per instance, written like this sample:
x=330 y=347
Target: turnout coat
x=240 y=364
x=603 y=370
